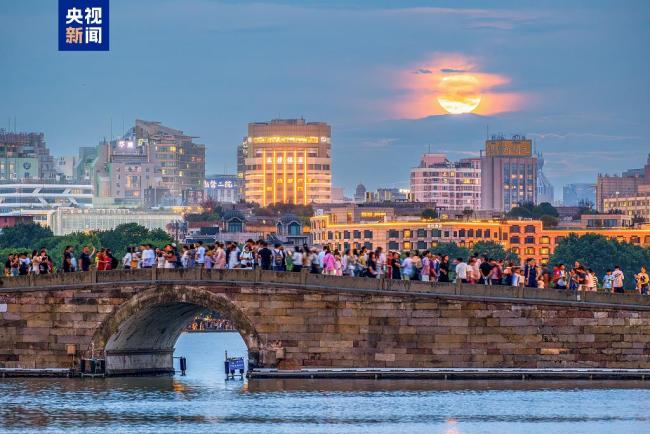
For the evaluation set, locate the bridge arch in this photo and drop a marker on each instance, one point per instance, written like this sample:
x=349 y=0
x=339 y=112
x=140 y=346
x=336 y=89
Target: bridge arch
x=140 y=335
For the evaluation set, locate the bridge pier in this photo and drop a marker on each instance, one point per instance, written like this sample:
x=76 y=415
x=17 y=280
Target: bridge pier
x=139 y=362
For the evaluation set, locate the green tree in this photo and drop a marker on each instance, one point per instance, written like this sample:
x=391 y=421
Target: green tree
x=494 y=250
x=601 y=254
x=24 y=234
x=131 y=234
x=452 y=249
x=543 y=209
x=523 y=210
x=549 y=221
x=429 y=214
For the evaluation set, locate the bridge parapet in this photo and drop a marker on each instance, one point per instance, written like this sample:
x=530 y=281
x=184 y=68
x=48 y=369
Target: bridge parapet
x=319 y=282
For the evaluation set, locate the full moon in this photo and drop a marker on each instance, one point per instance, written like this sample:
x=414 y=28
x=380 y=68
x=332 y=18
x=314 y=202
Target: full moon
x=459 y=93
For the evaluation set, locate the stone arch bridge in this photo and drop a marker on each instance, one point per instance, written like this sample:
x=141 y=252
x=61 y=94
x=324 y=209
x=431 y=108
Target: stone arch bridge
x=134 y=317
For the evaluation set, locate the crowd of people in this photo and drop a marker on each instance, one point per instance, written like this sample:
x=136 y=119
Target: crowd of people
x=424 y=266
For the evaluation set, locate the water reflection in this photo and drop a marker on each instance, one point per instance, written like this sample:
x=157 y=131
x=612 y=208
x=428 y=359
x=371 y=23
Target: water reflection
x=204 y=402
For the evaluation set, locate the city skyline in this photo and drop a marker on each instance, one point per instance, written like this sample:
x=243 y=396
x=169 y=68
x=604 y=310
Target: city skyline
x=544 y=71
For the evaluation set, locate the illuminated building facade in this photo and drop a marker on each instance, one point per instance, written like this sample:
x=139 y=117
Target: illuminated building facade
x=344 y=228
x=287 y=161
x=508 y=173
x=450 y=185
x=222 y=188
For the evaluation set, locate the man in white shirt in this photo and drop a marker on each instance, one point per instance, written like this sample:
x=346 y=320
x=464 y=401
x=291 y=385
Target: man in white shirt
x=148 y=256
x=407 y=267
x=461 y=270
x=200 y=254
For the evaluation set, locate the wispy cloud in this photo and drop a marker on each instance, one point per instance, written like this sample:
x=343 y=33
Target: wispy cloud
x=565 y=136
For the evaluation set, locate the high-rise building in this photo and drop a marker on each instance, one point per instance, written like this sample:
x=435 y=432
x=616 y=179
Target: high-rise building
x=25 y=156
x=287 y=161
x=508 y=173
x=150 y=160
x=608 y=186
x=123 y=171
x=575 y=194
x=84 y=164
x=181 y=162
x=451 y=185
x=65 y=167
x=360 y=193
x=545 y=190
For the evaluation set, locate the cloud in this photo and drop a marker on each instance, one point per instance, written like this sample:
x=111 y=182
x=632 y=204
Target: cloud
x=566 y=136
x=452 y=70
x=423 y=71
x=378 y=143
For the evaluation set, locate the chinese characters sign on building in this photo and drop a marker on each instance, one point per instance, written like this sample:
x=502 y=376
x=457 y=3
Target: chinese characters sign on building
x=508 y=148
x=83 y=25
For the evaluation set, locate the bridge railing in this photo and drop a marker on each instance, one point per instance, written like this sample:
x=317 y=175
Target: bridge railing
x=307 y=281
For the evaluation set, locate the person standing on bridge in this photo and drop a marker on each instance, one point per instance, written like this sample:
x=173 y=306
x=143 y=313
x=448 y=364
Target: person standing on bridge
x=85 y=258
x=618 y=278
x=461 y=270
x=67 y=265
x=642 y=281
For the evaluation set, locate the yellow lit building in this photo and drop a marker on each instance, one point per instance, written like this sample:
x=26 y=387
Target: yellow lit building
x=287 y=161
x=345 y=228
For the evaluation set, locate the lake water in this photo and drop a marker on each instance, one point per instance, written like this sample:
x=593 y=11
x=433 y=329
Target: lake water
x=203 y=401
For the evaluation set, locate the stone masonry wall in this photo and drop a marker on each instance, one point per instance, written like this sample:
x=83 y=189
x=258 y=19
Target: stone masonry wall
x=337 y=322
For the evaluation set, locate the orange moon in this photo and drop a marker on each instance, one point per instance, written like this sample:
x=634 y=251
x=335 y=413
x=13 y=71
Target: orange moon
x=459 y=93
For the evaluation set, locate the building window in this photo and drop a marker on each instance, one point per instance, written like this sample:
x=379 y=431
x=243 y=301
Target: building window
x=530 y=250
x=393 y=233
x=529 y=240
x=346 y=234
x=367 y=245
x=422 y=245
x=294 y=228
x=235 y=225
x=407 y=245
x=529 y=229
x=544 y=251
x=461 y=233
x=356 y=234
x=514 y=240
x=367 y=234
x=407 y=233
x=437 y=233
x=515 y=229
x=515 y=250
x=393 y=245
x=635 y=239
x=479 y=233
x=470 y=233
x=422 y=233
x=544 y=240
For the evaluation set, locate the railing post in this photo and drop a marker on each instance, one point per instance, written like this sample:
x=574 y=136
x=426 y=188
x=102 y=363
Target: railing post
x=154 y=273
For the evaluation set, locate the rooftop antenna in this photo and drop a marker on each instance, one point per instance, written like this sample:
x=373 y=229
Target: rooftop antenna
x=111 y=128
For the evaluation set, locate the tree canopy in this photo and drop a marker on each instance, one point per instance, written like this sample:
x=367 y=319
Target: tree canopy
x=27 y=237
x=601 y=254
x=532 y=211
x=494 y=250
x=429 y=214
x=452 y=249
x=24 y=235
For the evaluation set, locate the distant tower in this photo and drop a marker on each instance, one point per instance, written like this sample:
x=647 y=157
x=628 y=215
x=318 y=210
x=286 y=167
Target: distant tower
x=360 y=194
x=544 y=186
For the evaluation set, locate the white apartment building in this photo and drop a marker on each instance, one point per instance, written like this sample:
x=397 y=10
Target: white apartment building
x=451 y=185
